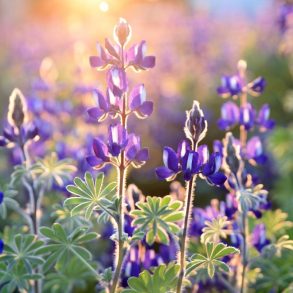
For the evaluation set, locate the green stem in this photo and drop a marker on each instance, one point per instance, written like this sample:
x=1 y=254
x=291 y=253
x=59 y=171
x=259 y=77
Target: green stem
x=183 y=244
x=121 y=194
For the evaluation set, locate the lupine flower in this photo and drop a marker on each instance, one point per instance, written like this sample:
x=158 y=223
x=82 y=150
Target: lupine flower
x=258 y=237
x=190 y=163
x=138 y=103
x=229 y=116
x=229 y=207
x=230 y=86
x=110 y=56
x=118 y=140
x=247 y=116
x=1 y=197
x=235 y=85
x=1 y=246
x=254 y=151
x=137 y=59
x=117 y=81
x=134 y=153
x=286 y=13
x=263 y=119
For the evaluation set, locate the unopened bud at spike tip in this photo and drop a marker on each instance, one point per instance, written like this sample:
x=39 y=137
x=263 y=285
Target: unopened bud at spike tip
x=122 y=32
x=196 y=124
x=17 y=109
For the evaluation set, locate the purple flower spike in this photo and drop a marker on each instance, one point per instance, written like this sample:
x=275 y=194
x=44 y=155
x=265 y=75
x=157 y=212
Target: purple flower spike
x=264 y=120
x=117 y=139
x=254 y=151
x=134 y=152
x=256 y=87
x=100 y=112
x=136 y=58
x=171 y=162
x=230 y=86
x=247 y=116
x=138 y=103
x=210 y=170
x=230 y=116
x=117 y=81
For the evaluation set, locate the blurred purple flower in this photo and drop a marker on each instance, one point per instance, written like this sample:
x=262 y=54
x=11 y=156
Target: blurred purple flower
x=247 y=116
x=263 y=119
x=258 y=237
x=229 y=116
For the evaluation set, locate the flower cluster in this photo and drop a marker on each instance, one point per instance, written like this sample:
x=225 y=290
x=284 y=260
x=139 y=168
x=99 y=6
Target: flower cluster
x=190 y=159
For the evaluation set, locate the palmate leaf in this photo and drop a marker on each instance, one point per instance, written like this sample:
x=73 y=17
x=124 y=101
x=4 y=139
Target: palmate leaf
x=212 y=260
x=90 y=195
x=68 y=276
x=250 y=198
x=276 y=223
x=61 y=247
x=215 y=230
x=16 y=278
x=277 y=248
x=163 y=279
x=23 y=251
x=157 y=217
x=51 y=170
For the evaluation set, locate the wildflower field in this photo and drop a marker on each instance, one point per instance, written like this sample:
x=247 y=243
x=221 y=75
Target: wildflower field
x=146 y=146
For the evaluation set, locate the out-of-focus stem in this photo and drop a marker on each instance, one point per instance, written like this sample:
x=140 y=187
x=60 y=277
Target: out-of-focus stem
x=184 y=238
x=244 y=219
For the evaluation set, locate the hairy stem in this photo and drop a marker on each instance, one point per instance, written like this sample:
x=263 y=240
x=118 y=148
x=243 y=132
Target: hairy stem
x=121 y=194
x=184 y=238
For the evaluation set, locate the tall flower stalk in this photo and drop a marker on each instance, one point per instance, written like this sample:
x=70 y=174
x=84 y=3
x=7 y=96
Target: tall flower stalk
x=122 y=149
x=191 y=160
x=238 y=152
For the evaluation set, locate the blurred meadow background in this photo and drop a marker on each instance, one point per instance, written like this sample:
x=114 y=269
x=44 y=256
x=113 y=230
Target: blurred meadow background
x=46 y=44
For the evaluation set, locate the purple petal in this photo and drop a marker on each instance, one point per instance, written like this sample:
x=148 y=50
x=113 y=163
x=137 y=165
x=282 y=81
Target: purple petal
x=95 y=113
x=145 y=110
x=3 y=141
x=149 y=62
x=182 y=149
x=203 y=153
x=95 y=162
x=170 y=159
x=96 y=61
x=100 y=149
x=217 y=179
x=164 y=173
x=137 y=97
x=111 y=49
x=142 y=155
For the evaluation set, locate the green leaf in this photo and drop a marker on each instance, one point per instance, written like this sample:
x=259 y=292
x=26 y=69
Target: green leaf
x=23 y=251
x=211 y=262
x=61 y=247
x=90 y=195
x=215 y=230
x=163 y=279
x=156 y=217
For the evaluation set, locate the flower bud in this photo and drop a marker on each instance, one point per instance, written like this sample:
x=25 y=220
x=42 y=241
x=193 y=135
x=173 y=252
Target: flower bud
x=122 y=32
x=196 y=124
x=231 y=154
x=17 y=109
